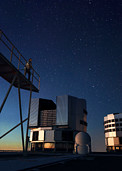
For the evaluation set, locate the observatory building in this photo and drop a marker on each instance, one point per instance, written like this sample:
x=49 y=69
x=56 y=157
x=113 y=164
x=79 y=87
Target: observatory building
x=113 y=132
x=53 y=127
x=42 y=113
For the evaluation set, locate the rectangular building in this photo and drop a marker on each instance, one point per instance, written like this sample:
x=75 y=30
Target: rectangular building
x=71 y=111
x=42 y=112
x=57 y=124
x=47 y=118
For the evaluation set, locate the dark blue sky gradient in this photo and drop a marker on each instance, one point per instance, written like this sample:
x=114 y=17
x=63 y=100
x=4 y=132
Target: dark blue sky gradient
x=76 y=47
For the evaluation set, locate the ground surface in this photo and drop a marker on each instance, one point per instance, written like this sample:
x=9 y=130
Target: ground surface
x=60 y=162
x=92 y=164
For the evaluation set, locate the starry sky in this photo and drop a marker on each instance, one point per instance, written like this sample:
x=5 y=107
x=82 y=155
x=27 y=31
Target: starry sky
x=75 y=46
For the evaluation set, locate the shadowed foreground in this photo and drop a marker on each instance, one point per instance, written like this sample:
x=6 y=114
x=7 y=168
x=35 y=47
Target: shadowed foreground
x=99 y=163
x=60 y=161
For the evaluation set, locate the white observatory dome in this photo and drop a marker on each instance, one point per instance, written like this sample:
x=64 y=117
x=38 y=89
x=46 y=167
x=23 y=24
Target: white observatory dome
x=82 y=143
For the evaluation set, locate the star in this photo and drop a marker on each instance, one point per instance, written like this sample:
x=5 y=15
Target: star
x=90 y=2
x=90 y=69
x=93 y=86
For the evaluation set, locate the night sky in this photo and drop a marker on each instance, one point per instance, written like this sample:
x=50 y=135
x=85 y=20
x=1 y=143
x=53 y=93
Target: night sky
x=76 y=47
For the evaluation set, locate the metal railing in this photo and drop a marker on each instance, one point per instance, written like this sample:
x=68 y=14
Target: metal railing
x=17 y=59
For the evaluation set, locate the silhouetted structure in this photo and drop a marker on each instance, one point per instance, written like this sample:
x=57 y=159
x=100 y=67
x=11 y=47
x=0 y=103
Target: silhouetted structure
x=10 y=70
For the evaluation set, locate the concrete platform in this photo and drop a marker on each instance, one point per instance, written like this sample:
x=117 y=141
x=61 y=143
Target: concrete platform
x=89 y=163
x=60 y=162
x=18 y=162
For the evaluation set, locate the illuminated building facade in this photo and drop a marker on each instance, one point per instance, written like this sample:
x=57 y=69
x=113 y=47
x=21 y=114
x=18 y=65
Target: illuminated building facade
x=42 y=113
x=113 y=132
x=55 y=129
x=71 y=111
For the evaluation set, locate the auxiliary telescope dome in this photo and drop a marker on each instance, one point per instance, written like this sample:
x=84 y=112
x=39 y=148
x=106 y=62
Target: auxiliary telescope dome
x=82 y=143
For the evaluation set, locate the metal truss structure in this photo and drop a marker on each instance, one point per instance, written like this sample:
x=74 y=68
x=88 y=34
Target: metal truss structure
x=11 y=70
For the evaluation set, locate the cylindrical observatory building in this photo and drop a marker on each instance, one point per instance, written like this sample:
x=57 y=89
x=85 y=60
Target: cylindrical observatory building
x=113 y=132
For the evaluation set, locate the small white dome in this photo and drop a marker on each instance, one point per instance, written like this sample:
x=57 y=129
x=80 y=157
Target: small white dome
x=82 y=143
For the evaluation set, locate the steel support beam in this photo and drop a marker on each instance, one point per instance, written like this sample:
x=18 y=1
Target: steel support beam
x=13 y=128
x=27 y=138
x=20 y=109
x=8 y=92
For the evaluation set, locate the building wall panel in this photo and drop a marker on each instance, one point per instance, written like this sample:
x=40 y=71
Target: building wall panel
x=49 y=136
x=41 y=135
x=58 y=135
x=110 y=141
x=34 y=110
x=62 y=110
